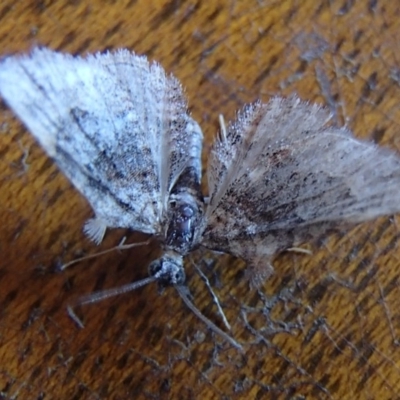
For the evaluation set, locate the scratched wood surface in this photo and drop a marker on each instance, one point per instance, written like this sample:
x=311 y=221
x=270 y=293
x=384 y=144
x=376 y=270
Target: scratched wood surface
x=325 y=326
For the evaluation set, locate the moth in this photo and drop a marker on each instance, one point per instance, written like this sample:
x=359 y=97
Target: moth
x=119 y=128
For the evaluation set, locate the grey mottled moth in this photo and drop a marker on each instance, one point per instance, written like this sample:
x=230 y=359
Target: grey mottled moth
x=119 y=129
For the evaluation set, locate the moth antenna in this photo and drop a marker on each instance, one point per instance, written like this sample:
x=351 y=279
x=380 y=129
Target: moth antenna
x=105 y=294
x=182 y=291
x=215 y=297
x=120 y=246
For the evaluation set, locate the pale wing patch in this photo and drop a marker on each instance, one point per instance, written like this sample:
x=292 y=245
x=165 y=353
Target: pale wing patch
x=95 y=229
x=116 y=125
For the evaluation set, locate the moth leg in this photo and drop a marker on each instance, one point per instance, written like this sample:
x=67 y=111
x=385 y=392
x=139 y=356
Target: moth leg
x=214 y=296
x=121 y=246
x=183 y=292
x=223 y=133
x=95 y=229
x=299 y=250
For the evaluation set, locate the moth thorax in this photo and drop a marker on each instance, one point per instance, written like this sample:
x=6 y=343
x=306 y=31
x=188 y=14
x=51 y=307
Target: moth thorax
x=168 y=270
x=184 y=215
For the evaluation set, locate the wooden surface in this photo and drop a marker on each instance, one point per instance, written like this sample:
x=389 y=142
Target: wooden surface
x=326 y=326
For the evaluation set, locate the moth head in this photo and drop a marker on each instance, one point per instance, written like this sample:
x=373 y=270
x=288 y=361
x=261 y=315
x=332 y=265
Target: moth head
x=168 y=270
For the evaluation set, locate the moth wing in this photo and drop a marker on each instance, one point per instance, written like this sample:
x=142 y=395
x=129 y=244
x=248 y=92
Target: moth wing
x=116 y=125
x=281 y=175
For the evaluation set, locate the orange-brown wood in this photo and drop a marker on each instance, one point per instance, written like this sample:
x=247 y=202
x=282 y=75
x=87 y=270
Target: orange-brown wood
x=325 y=326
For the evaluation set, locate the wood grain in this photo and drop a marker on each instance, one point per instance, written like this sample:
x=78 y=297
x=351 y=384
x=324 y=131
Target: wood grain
x=325 y=326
